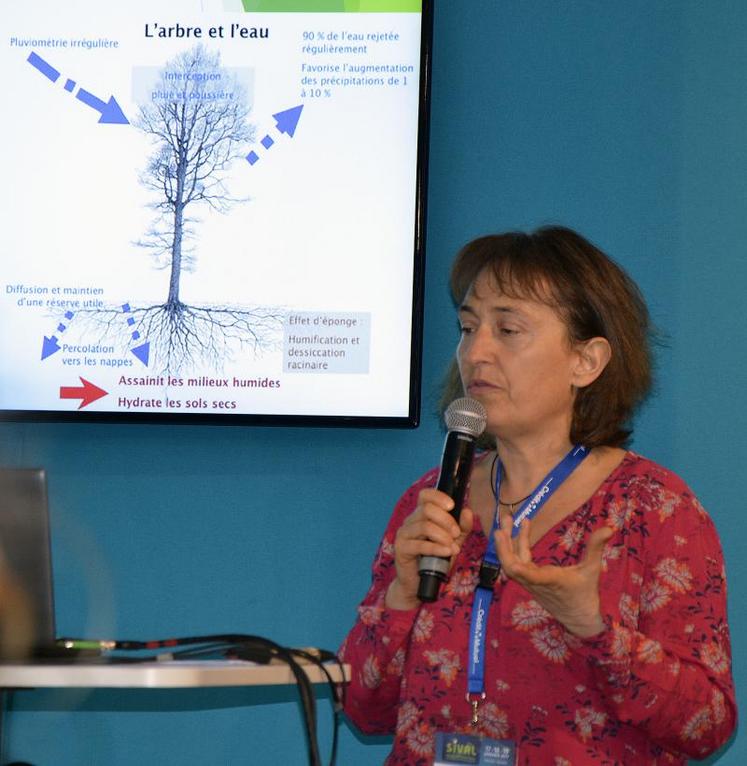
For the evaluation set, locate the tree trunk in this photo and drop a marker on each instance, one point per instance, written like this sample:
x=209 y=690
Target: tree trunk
x=176 y=246
x=176 y=255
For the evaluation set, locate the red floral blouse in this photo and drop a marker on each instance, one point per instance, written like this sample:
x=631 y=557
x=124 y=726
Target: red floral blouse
x=654 y=688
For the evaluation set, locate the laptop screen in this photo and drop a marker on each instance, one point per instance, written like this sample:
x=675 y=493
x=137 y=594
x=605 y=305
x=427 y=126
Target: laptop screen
x=25 y=559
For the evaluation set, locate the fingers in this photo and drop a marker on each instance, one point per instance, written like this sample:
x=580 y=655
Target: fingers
x=466 y=522
x=514 y=549
x=504 y=547
x=414 y=547
x=522 y=546
x=435 y=498
x=595 y=547
x=515 y=555
x=435 y=509
x=430 y=530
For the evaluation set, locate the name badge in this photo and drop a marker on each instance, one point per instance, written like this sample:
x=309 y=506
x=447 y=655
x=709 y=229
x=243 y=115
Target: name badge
x=454 y=748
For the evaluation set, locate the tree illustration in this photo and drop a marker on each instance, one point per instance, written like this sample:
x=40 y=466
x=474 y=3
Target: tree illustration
x=199 y=127
x=197 y=121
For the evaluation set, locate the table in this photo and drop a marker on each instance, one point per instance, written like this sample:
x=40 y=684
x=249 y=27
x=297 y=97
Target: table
x=170 y=674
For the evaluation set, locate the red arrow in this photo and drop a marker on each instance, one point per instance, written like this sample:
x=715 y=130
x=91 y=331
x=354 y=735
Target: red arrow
x=87 y=393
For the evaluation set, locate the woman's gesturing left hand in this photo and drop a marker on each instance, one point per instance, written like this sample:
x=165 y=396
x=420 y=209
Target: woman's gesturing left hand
x=569 y=593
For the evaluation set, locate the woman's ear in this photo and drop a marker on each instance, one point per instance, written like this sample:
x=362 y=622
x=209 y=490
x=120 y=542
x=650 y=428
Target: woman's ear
x=592 y=356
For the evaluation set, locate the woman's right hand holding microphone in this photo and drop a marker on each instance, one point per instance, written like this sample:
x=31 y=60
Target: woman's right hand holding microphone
x=429 y=530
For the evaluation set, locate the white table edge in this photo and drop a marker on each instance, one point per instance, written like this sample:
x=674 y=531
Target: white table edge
x=160 y=675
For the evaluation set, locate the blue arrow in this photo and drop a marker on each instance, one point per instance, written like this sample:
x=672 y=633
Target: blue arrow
x=110 y=111
x=285 y=122
x=142 y=352
x=46 y=69
x=288 y=120
x=49 y=346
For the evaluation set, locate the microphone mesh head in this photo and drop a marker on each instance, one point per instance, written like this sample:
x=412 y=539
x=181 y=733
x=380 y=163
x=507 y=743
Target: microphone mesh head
x=467 y=416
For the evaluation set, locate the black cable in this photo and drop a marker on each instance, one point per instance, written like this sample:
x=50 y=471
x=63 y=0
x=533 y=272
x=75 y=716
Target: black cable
x=308 y=701
x=305 y=688
x=216 y=650
x=240 y=643
x=247 y=646
x=337 y=698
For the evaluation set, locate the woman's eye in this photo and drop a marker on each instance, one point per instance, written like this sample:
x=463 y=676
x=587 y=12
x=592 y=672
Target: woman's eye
x=508 y=331
x=465 y=330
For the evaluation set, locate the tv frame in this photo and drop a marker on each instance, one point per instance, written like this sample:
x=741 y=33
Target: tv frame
x=412 y=419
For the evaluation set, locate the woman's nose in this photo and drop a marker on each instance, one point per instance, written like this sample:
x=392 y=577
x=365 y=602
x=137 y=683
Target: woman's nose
x=479 y=345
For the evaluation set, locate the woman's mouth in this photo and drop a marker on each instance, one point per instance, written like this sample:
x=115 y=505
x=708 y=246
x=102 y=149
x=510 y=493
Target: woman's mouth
x=479 y=386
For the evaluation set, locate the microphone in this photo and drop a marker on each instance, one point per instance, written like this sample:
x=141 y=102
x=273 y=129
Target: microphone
x=465 y=421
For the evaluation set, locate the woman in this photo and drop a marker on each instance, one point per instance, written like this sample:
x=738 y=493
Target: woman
x=605 y=637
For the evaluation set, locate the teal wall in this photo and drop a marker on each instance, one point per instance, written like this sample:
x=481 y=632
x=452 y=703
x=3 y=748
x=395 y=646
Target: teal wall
x=625 y=120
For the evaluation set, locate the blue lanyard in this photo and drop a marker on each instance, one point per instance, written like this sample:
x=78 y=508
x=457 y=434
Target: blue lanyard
x=491 y=565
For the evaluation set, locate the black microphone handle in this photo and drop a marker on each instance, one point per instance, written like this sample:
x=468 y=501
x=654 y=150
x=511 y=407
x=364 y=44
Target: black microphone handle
x=456 y=465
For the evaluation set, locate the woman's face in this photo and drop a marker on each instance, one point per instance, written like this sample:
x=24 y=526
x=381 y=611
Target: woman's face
x=515 y=358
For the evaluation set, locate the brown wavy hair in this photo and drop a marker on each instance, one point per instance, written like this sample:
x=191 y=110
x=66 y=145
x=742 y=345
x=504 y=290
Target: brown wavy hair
x=593 y=296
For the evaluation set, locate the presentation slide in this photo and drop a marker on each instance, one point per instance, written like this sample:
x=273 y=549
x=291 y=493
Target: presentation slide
x=209 y=206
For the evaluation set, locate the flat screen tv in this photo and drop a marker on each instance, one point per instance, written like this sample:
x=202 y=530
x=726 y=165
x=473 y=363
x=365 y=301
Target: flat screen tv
x=214 y=210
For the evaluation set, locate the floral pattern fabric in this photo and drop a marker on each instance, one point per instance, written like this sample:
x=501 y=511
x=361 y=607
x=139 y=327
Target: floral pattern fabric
x=655 y=687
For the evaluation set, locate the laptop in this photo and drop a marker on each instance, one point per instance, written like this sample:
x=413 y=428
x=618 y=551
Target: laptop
x=27 y=613
x=27 y=618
